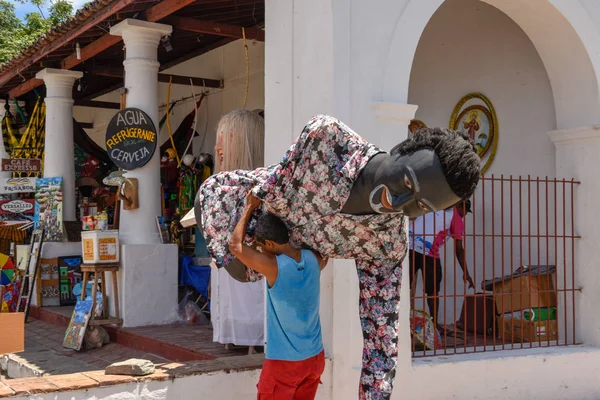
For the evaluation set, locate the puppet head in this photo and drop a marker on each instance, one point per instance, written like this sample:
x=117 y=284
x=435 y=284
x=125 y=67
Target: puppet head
x=432 y=170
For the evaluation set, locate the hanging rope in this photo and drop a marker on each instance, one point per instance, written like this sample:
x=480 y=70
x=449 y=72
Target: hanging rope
x=164 y=118
x=169 y=122
x=194 y=124
x=247 y=67
x=20 y=112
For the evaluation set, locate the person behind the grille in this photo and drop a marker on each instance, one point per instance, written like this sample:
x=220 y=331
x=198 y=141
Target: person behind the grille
x=427 y=234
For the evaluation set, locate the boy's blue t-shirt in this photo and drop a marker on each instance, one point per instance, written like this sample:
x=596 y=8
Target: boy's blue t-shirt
x=293 y=323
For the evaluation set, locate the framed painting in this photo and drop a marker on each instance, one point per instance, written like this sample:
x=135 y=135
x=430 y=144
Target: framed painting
x=474 y=115
x=48 y=208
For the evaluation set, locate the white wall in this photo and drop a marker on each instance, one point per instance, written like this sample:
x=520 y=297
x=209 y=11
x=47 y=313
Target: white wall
x=219 y=385
x=469 y=46
x=369 y=46
x=551 y=375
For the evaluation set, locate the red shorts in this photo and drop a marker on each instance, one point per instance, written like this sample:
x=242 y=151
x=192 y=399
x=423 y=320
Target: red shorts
x=291 y=380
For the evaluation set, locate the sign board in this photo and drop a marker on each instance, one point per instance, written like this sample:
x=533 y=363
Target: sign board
x=17 y=185
x=21 y=164
x=48 y=208
x=12 y=334
x=17 y=206
x=131 y=139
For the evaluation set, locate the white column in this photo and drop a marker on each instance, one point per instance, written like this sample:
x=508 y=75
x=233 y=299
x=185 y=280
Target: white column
x=577 y=158
x=59 y=157
x=141 y=81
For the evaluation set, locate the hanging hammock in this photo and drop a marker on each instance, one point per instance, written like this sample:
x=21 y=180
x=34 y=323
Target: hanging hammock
x=91 y=160
x=183 y=133
x=31 y=144
x=81 y=139
x=10 y=132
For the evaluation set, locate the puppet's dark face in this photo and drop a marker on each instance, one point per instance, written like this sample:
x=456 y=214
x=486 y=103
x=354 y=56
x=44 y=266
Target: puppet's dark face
x=412 y=184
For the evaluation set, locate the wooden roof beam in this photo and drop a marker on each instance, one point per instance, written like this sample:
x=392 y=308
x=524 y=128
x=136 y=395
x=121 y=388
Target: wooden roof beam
x=164 y=78
x=98 y=104
x=214 y=28
x=159 y=11
x=195 y=53
x=25 y=87
x=98 y=17
x=155 y=13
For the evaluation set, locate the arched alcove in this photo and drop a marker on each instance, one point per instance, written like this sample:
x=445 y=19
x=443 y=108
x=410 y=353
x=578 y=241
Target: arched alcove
x=561 y=31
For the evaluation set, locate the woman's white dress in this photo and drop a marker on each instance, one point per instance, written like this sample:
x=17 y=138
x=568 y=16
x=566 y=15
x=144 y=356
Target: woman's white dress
x=237 y=310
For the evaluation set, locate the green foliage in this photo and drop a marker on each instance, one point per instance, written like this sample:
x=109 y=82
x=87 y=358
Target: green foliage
x=16 y=34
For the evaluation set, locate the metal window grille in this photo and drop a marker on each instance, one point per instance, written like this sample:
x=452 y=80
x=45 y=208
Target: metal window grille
x=519 y=243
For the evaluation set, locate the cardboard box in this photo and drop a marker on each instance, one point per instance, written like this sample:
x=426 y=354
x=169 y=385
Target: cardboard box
x=525 y=291
x=12 y=333
x=522 y=331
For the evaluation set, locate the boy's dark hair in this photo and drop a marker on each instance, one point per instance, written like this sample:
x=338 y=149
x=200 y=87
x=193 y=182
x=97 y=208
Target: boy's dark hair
x=270 y=227
x=456 y=152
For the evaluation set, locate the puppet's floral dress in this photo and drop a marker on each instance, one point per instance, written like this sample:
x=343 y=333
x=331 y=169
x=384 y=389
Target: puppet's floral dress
x=307 y=190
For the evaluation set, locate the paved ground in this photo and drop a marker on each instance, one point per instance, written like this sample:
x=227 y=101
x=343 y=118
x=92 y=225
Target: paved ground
x=197 y=338
x=45 y=354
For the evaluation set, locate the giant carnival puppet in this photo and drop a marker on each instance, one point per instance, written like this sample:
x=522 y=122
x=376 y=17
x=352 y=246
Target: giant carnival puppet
x=346 y=198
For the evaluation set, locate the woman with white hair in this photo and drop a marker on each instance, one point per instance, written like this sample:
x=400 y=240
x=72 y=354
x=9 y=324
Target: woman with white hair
x=237 y=309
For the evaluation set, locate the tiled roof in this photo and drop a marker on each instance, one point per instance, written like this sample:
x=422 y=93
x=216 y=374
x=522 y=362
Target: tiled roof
x=80 y=17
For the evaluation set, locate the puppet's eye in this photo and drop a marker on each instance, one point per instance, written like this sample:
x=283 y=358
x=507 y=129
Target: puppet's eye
x=407 y=182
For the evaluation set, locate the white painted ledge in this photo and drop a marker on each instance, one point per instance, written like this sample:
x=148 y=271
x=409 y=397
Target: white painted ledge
x=394 y=113
x=142 y=27
x=575 y=134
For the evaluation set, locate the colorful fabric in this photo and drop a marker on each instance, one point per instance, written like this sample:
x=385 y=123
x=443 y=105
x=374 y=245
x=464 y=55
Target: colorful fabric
x=308 y=190
x=10 y=297
x=6 y=276
x=423 y=330
x=6 y=262
x=7 y=270
x=298 y=380
x=431 y=231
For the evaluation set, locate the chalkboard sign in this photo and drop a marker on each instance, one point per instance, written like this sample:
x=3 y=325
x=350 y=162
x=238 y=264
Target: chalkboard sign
x=131 y=139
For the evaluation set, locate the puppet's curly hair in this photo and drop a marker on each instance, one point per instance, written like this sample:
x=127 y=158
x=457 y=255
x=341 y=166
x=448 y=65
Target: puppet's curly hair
x=456 y=152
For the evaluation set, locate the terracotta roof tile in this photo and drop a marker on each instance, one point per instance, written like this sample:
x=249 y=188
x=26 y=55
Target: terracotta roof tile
x=80 y=17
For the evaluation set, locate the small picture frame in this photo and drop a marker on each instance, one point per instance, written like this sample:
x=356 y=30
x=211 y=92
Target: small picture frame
x=475 y=115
